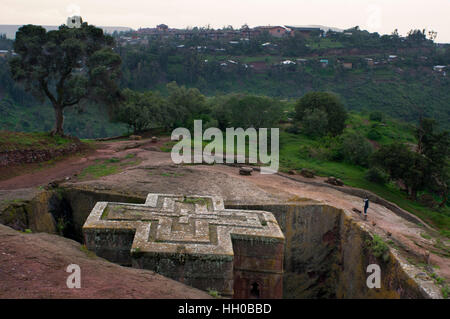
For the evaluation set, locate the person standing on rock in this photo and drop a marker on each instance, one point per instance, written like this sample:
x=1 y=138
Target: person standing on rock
x=366 y=207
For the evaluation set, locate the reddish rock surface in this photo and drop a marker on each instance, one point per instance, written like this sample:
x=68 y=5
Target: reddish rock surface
x=34 y=266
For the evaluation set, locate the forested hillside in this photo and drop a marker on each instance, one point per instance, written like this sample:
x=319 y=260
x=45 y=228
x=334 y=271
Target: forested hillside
x=405 y=87
x=388 y=73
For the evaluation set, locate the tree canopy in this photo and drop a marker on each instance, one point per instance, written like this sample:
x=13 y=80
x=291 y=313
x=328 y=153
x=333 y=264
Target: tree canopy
x=66 y=66
x=141 y=111
x=327 y=102
x=239 y=110
x=425 y=168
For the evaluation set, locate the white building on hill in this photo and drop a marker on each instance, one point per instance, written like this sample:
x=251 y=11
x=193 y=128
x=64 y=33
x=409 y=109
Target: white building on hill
x=74 y=22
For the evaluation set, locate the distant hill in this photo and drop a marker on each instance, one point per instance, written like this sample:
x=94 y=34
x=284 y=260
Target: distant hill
x=11 y=29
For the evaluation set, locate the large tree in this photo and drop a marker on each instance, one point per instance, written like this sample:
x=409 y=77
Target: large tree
x=401 y=163
x=184 y=106
x=141 y=111
x=66 y=66
x=434 y=145
x=424 y=168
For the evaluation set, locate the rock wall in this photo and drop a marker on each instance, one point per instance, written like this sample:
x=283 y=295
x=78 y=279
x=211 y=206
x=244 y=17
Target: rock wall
x=83 y=201
x=39 y=214
x=326 y=256
x=205 y=272
x=33 y=156
x=57 y=211
x=257 y=267
x=114 y=245
x=355 y=255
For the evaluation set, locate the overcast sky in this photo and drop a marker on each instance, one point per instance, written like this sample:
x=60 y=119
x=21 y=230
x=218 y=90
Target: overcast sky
x=382 y=16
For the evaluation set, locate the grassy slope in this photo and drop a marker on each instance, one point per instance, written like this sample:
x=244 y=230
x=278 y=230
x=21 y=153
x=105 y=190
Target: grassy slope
x=20 y=141
x=108 y=167
x=292 y=157
x=10 y=141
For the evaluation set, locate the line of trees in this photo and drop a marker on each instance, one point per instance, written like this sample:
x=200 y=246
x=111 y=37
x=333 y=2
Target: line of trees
x=145 y=110
x=424 y=167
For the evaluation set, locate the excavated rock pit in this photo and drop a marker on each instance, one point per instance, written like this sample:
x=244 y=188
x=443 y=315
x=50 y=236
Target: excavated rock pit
x=326 y=252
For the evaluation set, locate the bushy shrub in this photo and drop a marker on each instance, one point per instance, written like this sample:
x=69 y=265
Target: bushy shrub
x=140 y=111
x=376 y=175
x=374 y=135
x=315 y=122
x=376 y=116
x=305 y=151
x=318 y=153
x=356 y=149
x=378 y=248
x=326 y=102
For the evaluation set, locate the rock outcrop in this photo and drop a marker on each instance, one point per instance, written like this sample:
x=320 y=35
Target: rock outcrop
x=34 y=266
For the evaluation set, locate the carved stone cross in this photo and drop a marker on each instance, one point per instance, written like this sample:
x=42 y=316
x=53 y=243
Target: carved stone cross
x=192 y=239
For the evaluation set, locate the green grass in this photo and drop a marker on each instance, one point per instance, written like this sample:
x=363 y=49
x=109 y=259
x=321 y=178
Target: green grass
x=131 y=155
x=425 y=235
x=170 y=174
x=192 y=200
x=378 y=247
x=445 y=291
x=107 y=167
x=168 y=146
x=99 y=170
x=113 y=160
x=213 y=293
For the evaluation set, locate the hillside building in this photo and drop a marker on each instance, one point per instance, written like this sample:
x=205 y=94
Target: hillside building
x=74 y=22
